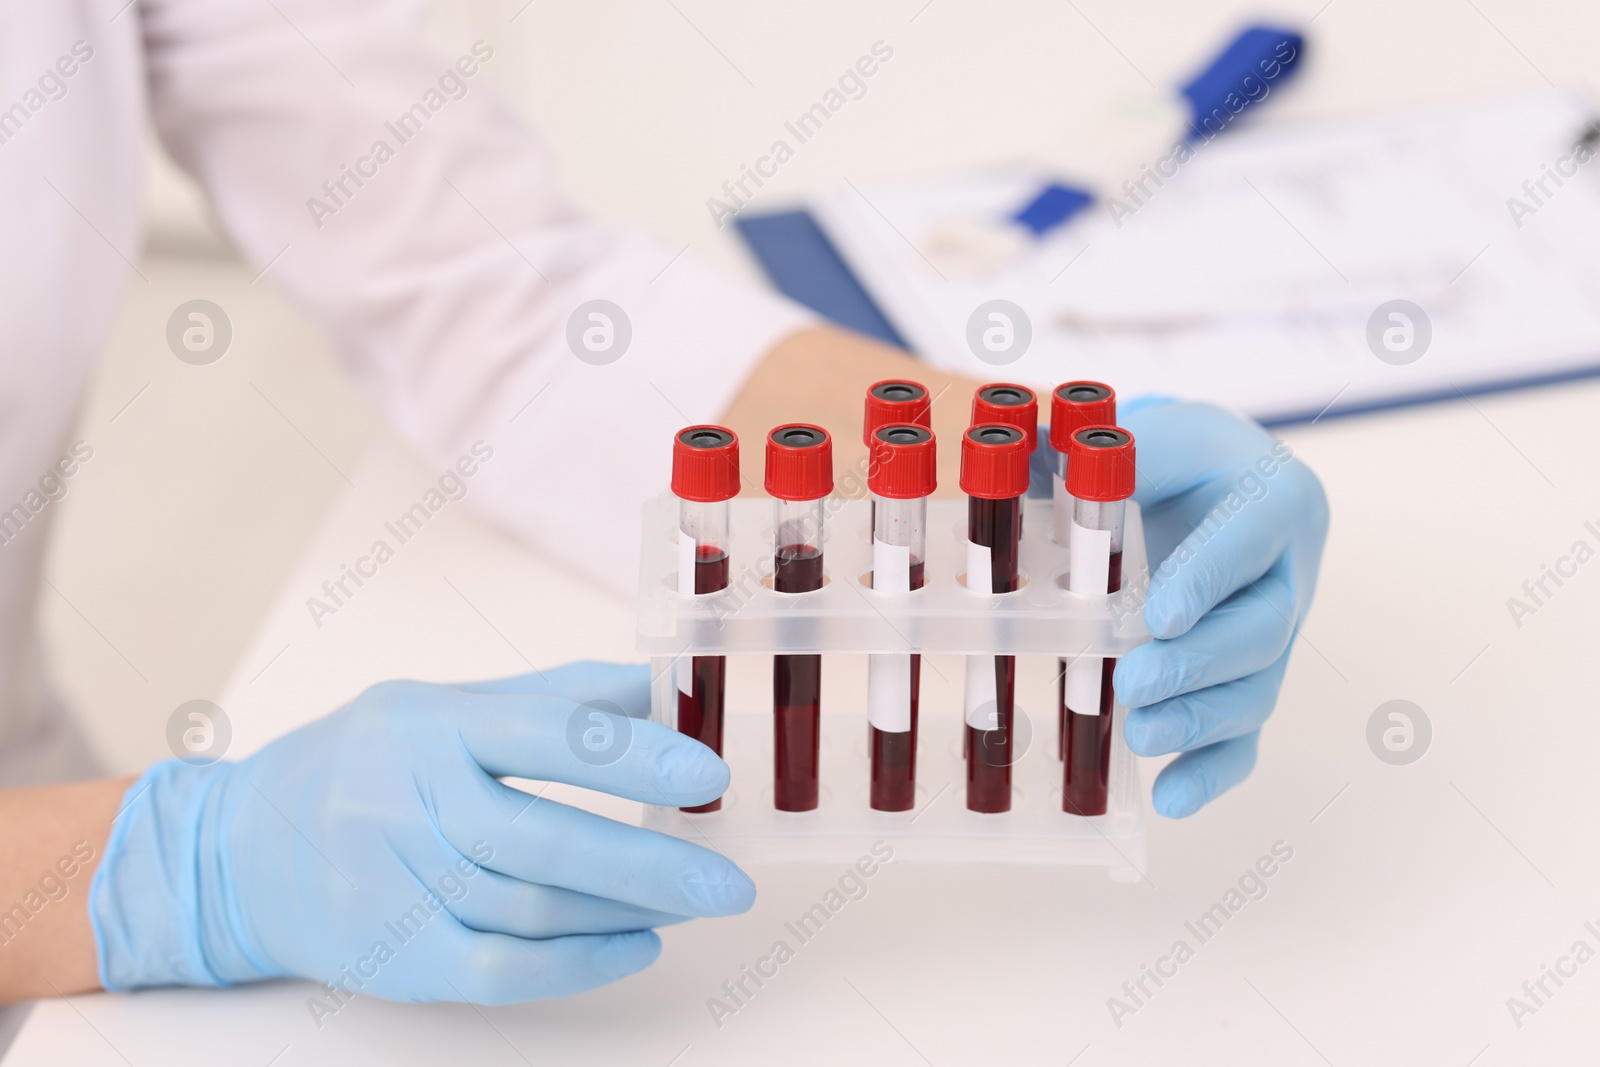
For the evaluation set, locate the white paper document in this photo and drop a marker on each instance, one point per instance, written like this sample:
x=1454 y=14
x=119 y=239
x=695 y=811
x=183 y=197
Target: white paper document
x=1254 y=276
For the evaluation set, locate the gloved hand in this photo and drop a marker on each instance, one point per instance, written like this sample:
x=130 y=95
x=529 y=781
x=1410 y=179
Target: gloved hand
x=374 y=849
x=1234 y=528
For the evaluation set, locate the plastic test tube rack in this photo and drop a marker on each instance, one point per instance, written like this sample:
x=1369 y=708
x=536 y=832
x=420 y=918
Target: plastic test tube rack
x=846 y=616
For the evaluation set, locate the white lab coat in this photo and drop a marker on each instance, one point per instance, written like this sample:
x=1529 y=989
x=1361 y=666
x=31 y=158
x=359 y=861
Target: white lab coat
x=445 y=278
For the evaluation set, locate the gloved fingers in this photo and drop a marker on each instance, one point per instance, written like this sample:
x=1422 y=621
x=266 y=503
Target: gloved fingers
x=1218 y=713
x=491 y=902
x=549 y=843
x=1196 y=778
x=1246 y=633
x=1305 y=551
x=627 y=685
x=551 y=739
x=1184 y=445
x=1236 y=541
x=490 y=968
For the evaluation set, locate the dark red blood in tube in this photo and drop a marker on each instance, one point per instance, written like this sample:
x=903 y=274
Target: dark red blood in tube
x=894 y=755
x=799 y=475
x=1087 y=738
x=989 y=752
x=710 y=570
x=796 y=693
x=995 y=523
x=797 y=569
x=700 y=710
x=1114 y=583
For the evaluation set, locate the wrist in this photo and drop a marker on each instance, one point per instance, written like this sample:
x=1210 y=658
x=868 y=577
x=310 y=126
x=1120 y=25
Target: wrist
x=161 y=904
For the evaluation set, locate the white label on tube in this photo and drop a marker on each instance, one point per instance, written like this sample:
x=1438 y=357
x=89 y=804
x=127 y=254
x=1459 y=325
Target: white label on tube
x=980 y=574
x=1091 y=561
x=889 y=692
x=891 y=568
x=983 y=705
x=1083 y=685
x=686 y=560
x=683 y=670
x=1063 y=509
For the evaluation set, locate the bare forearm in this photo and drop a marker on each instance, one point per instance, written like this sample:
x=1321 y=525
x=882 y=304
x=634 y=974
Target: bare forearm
x=51 y=841
x=820 y=375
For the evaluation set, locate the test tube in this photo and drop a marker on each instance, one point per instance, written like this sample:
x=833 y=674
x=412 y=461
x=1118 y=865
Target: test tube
x=705 y=476
x=895 y=401
x=902 y=475
x=799 y=476
x=994 y=475
x=1100 y=479
x=1073 y=405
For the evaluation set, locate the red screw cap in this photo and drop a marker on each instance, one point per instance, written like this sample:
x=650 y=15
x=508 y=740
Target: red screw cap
x=904 y=462
x=799 y=462
x=994 y=462
x=1009 y=405
x=705 y=464
x=1100 y=465
x=898 y=402
x=1075 y=405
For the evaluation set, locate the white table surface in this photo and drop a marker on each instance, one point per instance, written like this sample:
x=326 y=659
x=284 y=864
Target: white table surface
x=1418 y=899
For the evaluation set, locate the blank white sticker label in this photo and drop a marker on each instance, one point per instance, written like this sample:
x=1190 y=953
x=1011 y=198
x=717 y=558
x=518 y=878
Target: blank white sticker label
x=1083 y=684
x=891 y=569
x=686 y=558
x=684 y=670
x=1091 y=561
x=889 y=692
x=980 y=573
x=1063 y=512
x=983 y=705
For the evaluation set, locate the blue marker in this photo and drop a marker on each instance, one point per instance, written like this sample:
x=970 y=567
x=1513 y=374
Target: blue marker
x=1254 y=63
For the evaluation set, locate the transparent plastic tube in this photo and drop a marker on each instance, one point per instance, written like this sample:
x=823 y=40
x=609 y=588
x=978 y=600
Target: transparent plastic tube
x=1073 y=406
x=993 y=536
x=1062 y=513
x=702 y=568
x=1086 y=692
x=894 y=680
x=796 y=680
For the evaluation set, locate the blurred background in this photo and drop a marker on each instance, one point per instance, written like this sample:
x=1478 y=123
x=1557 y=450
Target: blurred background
x=210 y=482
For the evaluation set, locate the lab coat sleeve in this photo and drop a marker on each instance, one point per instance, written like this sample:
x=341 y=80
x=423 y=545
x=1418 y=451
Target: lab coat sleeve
x=400 y=202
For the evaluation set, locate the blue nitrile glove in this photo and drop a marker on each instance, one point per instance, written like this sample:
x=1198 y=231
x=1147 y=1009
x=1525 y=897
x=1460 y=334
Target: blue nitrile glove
x=1239 y=525
x=374 y=849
